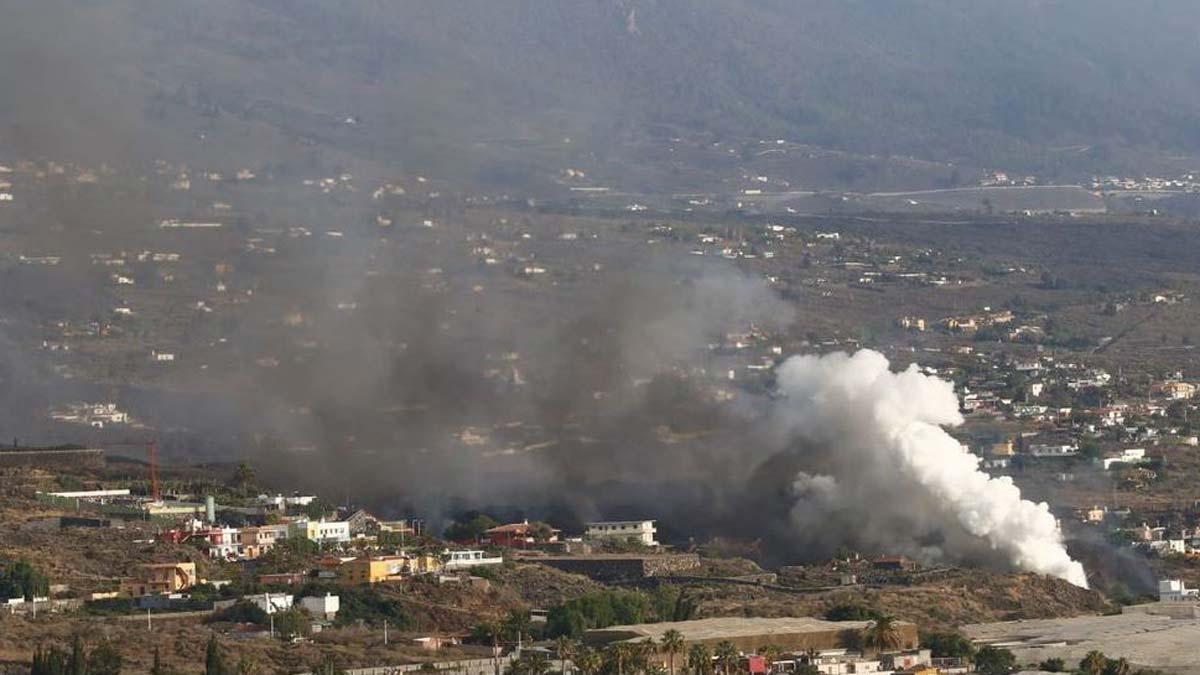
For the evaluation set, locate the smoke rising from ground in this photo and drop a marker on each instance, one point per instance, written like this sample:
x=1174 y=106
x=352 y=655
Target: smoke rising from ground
x=893 y=473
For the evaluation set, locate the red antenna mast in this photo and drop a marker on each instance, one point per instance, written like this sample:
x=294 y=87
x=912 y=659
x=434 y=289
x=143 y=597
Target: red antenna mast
x=152 y=459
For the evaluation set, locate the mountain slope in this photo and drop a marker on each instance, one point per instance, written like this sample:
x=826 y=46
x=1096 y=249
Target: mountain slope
x=1056 y=87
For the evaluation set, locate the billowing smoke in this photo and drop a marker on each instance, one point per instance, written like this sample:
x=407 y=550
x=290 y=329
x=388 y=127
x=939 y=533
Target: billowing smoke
x=891 y=474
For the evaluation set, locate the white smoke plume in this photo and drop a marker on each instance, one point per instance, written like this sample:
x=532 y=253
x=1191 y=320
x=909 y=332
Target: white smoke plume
x=897 y=477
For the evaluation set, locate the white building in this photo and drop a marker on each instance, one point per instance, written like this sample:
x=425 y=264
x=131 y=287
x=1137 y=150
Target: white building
x=280 y=502
x=322 y=607
x=90 y=494
x=461 y=560
x=1126 y=456
x=322 y=531
x=273 y=602
x=1055 y=450
x=224 y=542
x=1173 y=590
x=640 y=531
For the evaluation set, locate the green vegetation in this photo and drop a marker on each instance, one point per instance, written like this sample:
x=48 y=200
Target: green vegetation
x=123 y=606
x=242 y=611
x=289 y=555
x=948 y=645
x=317 y=509
x=995 y=661
x=214 y=658
x=288 y=623
x=699 y=660
x=530 y=663
x=1096 y=663
x=291 y=623
x=470 y=527
x=104 y=659
x=614 y=607
x=882 y=635
x=851 y=612
x=362 y=605
x=22 y=580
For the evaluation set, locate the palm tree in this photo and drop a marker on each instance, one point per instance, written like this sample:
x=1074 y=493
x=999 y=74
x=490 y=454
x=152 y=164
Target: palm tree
x=244 y=476
x=882 y=635
x=619 y=654
x=672 y=644
x=565 y=647
x=643 y=653
x=530 y=663
x=726 y=655
x=536 y=663
x=589 y=661
x=516 y=624
x=699 y=659
x=1117 y=667
x=1093 y=663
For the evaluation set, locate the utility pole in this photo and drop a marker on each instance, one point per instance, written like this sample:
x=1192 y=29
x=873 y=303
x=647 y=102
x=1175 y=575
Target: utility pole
x=148 y=626
x=272 y=615
x=385 y=632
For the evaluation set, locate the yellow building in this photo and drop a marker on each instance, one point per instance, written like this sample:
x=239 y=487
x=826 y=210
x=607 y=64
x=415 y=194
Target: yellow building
x=378 y=569
x=1003 y=449
x=373 y=570
x=161 y=578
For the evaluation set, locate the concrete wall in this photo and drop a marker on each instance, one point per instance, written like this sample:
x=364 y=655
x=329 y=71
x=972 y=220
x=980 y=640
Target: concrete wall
x=792 y=641
x=464 y=667
x=625 y=568
x=1175 y=610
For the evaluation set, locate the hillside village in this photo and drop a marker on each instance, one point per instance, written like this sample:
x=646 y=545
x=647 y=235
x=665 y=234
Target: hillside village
x=1079 y=388
x=303 y=573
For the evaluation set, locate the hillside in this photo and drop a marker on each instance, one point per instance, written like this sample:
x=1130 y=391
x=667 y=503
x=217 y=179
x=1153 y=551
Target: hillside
x=1059 y=88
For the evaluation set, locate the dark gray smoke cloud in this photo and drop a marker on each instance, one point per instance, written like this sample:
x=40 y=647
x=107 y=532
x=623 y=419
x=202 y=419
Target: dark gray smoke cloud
x=424 y=400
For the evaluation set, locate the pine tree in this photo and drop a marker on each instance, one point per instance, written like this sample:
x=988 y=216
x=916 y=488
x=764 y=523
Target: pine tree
x=104 y=660
x=214 y=661
x=77 y=664
x=157 y=668
x=50 y=661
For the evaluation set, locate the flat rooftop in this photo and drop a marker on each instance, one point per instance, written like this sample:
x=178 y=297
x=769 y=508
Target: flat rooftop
x=729 y=628
x=1146 y=640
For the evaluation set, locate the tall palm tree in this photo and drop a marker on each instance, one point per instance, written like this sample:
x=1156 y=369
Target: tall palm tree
x=536 y=663
x=517 y=624
x=619 y=654
x=565 y=647
x=589 y=661
x=1093 y=663
x=643 y=653
x=726 y=655
x=672 y=644
x=882 y=635
x=699 y=659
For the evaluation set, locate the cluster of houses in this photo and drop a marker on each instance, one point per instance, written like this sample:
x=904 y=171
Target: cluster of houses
x=95 y=415
x=525 y=534
x=158 y=584
x=252 y=541
x=1161 y=540
x=1068 y=410
x=1183 y=183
